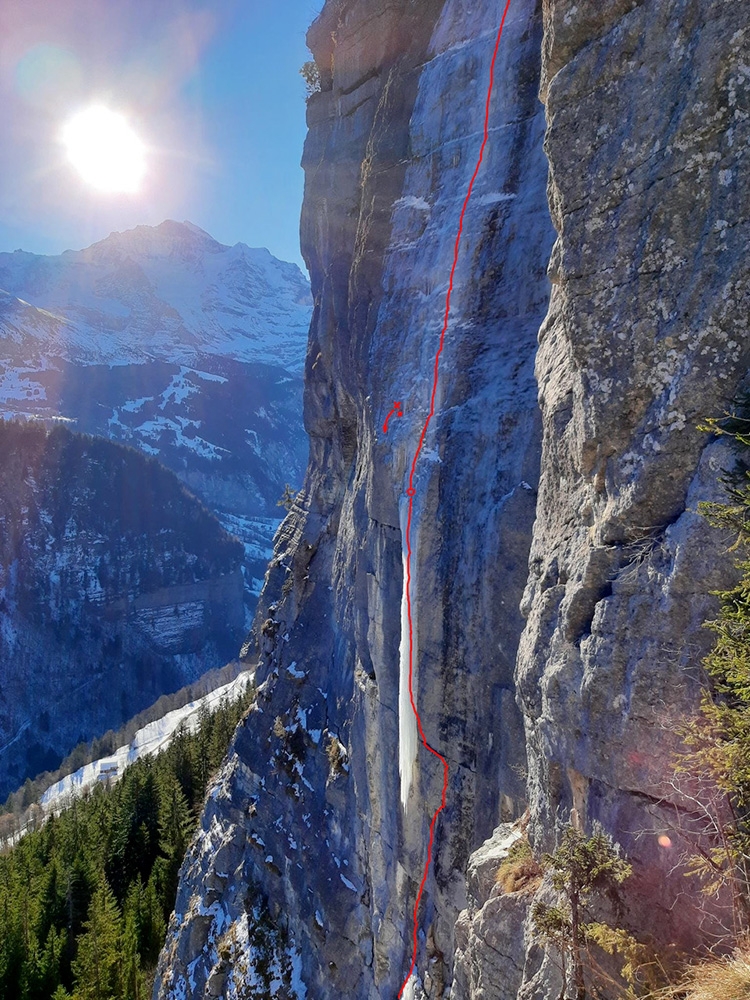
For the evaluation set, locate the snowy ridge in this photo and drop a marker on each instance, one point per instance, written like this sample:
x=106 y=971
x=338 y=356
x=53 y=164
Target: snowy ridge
x=169 y=292
x=149 y=740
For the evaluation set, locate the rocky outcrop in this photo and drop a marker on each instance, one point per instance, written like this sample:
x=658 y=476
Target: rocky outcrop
x=116 y=586
x=490 y=944
x=646 y=130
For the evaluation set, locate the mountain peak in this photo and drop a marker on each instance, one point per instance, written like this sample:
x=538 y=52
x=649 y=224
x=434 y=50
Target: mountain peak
x=183 y=231
x=167 y=237
x=169 y=291
x=191 y=227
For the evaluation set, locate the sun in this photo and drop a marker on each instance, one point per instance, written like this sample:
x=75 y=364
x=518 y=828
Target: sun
x=105 y=150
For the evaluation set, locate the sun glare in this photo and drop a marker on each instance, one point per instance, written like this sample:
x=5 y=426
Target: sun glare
x=105 y=150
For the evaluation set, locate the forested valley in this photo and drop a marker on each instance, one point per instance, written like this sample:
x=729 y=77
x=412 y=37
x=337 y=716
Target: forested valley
x=84 y=901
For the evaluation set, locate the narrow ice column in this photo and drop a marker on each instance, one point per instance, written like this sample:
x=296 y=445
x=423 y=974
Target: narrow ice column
x=407 y=723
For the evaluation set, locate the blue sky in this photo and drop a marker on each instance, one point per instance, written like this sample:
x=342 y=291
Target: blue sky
x=213 y=88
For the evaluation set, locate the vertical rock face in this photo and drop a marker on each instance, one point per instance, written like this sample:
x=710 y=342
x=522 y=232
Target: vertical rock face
x=306 y=854
x=646 y=334
x=307 y=817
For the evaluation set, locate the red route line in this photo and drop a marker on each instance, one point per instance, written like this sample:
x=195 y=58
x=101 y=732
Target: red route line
x=411 y=491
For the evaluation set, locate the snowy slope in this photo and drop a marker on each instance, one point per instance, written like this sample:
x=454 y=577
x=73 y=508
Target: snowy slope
x=168 y=293
x=151 y=739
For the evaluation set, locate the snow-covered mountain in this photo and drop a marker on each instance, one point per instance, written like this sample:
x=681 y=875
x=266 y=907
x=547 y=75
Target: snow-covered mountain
x=167 y=293
x=166 y=340
x=116 y=586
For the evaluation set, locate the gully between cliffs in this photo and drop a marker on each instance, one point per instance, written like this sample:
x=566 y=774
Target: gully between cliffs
x=410 y=494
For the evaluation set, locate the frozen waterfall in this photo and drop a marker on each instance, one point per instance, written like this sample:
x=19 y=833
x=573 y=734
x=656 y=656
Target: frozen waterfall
x=407 y=723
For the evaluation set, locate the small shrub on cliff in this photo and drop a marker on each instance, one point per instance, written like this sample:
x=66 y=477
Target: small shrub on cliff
x=311 y=75
x=642 y=967
x=336 y=753
x=519 y=871
x=287 y=497
x=269 y=628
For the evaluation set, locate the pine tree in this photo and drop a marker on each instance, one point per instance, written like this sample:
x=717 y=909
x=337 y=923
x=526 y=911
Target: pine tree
x=579 y=868
x=77 y=899
x=134 y=838
x=221 y=736
x=203 y=765
x=44 y=975
x=132 y=976
x=12 y=950
x=98 y=964
x=153 y=924
x=180 y=758
x=175 y=827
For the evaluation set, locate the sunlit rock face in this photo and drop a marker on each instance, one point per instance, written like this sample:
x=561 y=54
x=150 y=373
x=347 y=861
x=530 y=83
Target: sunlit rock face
x=308 y=815
x=646 y=335
x=643 y=336
x=490 y=943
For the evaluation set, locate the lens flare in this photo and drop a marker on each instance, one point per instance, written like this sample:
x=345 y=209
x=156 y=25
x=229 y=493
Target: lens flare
x=105 y=150
x=49 y=77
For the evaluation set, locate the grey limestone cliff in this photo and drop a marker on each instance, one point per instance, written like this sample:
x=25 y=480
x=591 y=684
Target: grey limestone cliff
x=394 y=138
x=647 y=137
x=313 y=839
x=646 y=334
